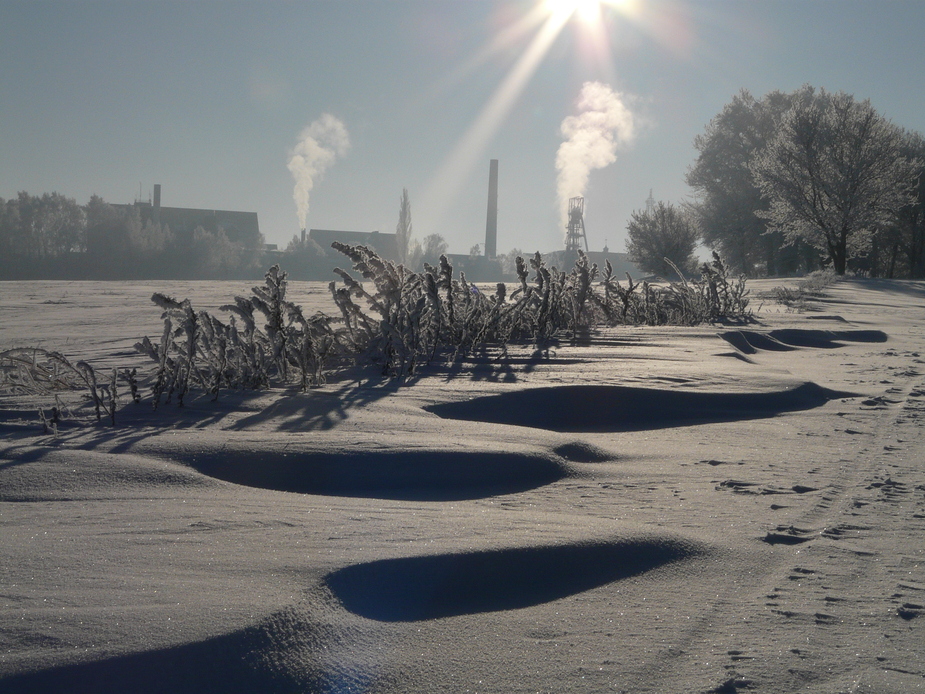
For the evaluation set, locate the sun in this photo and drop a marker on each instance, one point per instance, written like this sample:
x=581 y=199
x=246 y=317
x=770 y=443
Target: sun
x=588 y=11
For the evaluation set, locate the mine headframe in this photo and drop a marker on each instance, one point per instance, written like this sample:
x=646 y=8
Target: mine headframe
x=575 y=231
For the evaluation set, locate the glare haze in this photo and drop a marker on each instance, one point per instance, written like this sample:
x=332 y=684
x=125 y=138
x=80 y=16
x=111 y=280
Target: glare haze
x=214 y=99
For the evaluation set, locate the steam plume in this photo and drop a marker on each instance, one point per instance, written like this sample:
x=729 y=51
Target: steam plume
x=603 y=122
x=320 y=144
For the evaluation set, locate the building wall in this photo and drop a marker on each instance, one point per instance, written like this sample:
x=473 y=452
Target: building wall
x=241 y=227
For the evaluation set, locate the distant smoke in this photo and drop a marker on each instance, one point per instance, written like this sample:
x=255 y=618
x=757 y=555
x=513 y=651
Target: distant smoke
x=603 y=123
x=320 y=144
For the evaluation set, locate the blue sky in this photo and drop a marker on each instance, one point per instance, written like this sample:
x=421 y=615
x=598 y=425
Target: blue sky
x=209 y=99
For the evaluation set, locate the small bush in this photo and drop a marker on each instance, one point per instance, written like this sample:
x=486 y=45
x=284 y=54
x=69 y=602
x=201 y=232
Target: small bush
x=810 y=287
x=397 y=320
x=815 y=282
x=715 y=297
x=198 y=349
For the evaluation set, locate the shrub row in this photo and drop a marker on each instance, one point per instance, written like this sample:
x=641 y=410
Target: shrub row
x=397 y=319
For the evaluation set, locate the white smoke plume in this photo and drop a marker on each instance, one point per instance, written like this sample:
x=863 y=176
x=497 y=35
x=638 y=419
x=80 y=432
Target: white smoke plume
x=320 y=144
x=603 y=123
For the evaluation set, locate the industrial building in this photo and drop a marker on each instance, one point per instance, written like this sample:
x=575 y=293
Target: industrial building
x=241 y=227
x=478 y=268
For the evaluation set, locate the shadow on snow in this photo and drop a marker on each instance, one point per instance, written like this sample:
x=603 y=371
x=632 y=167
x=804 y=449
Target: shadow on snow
x=601 y=408
x=447 y=585
x=404 y=475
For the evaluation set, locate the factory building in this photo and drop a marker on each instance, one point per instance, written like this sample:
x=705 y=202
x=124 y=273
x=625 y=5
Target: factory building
x=241 y=227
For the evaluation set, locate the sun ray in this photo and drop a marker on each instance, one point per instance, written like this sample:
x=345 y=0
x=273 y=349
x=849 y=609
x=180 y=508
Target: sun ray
x=459 y=164
x=503 y=40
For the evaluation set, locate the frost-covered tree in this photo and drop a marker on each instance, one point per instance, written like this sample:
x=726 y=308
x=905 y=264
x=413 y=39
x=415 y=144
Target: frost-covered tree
x=433 y=247
x=149 y=240
x=43 y=227
x=403 y=229
x=727 y=195
x=9 y=229
x=415 y=254
x=904 y=240
x=214 y=253
x=120 y=243
x=509 y=261
x=833 y=174
x=663 y=232
x=100 y=214
x=309 y=247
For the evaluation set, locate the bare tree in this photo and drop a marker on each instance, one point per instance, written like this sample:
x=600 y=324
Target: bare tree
x=834 y=173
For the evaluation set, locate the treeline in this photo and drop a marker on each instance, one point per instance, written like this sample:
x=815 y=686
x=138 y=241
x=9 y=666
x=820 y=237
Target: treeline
x=51 y=236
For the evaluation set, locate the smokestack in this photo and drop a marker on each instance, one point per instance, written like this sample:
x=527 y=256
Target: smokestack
x=303 y=237
x=491 y=225
x=157 y=203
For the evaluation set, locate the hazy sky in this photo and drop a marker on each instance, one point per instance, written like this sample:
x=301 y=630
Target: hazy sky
x=212 y=99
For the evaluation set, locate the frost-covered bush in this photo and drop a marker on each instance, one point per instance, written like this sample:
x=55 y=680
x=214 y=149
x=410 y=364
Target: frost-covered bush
x=198 y=349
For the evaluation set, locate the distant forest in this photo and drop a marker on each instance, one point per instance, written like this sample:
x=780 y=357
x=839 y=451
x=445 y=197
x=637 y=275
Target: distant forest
x=53 y=237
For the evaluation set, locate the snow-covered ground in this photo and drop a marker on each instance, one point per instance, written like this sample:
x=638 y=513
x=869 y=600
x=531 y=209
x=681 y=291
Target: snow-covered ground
x=657 y=510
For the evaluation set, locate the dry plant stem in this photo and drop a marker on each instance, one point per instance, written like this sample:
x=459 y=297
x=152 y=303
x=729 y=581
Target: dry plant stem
x=35 y=371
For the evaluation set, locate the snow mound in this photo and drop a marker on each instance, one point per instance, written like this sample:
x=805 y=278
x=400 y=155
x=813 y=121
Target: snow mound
x=275 y=656
x=41 y=474
x=787 y=339
x=582 y=452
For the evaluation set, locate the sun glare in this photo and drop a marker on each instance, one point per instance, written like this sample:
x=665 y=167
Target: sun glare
x=587 y=10
x=464 y=156
x=590 y=11
x=547 y=18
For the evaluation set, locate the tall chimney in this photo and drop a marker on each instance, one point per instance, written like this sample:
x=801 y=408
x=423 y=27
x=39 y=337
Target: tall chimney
x=491 y=225
x=157 y=203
